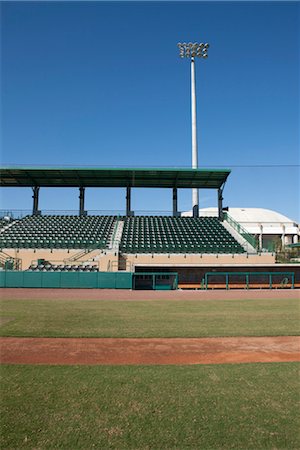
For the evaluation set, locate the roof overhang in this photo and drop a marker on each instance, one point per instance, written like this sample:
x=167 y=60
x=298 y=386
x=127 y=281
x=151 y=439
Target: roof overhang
x=112 y=177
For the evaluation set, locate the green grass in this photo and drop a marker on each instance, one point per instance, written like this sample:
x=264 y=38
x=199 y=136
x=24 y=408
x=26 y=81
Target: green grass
x=165 y=318
x=249 y=406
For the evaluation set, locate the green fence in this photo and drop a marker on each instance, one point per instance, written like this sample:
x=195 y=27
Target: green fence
x=92 y=280
x=248 y=280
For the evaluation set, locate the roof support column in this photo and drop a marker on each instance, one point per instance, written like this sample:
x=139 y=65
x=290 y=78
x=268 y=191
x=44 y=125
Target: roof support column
x=35 y=208
x=260 y=237
x=128 y=202
x=175 y=203
x=81 y=201
x=220 y=203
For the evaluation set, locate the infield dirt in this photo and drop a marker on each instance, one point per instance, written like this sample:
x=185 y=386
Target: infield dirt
x=116 y=351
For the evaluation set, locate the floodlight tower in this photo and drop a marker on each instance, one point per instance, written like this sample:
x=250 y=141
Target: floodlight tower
x=193 y=50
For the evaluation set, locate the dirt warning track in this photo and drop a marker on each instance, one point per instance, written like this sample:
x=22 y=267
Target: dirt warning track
x=128 y=295
x=155 y=351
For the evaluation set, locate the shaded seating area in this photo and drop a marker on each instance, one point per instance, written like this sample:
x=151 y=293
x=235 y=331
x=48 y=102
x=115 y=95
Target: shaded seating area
x=71 y=232
x=164 y=234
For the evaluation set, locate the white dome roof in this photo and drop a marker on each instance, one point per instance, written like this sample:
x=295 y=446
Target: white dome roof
x=252 y=219
x=256 y=215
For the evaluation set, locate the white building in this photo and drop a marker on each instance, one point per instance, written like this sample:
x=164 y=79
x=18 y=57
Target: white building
x=270 y=227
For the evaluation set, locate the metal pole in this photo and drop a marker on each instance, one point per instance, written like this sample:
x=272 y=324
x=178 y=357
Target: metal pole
x=175 y=207
x=195 y=192
x=220 y=204
x=81 y=201
x=35 y=209
x=193 y=50
x=128 y=201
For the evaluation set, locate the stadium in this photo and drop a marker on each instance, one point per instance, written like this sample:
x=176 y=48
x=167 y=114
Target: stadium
x=140 y=252
x=166 y=326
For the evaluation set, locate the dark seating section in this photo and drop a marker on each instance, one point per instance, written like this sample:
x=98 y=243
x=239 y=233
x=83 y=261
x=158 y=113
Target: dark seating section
x=5 y=222
x=141 y=234
x=74 y=232
x=48 y=267
x=164 y=234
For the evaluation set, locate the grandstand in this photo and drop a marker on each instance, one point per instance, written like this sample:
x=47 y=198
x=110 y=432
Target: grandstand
x=188 y=246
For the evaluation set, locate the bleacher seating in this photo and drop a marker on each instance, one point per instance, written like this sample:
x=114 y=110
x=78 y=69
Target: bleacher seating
x=72 y=232
x=5 y=222
x=164 y=234
x=141 y=234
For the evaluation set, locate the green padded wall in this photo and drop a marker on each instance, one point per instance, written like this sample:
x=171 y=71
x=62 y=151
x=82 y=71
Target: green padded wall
x=92 y=280
x=52 y=280
x=30 y=280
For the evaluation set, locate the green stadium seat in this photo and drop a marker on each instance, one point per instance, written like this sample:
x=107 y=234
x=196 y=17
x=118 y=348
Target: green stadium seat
x=149 y=234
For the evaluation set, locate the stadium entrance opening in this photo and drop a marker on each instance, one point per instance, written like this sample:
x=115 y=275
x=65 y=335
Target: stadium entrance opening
x=155 y=281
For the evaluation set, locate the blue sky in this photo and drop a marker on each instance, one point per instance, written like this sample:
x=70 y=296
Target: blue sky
x=101 y=84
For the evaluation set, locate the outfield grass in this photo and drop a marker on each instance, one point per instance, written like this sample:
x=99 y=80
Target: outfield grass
x=249 y=406
x=165 y=318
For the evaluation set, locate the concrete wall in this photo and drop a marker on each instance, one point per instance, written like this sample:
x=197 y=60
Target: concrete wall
x=162 y=260
x=107 y=261
x=56 y=256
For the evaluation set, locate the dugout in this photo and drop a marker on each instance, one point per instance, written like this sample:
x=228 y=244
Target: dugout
x=156 y=281
x=236 y=276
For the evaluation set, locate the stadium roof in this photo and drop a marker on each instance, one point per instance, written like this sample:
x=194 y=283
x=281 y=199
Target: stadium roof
x=112 y=177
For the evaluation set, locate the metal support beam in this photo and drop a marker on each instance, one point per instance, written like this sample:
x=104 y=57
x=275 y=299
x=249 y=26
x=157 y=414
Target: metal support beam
x=35 y=208
x=128 y=202
x=220 y=203
x=195 y=211
x=81 y=201
x=175 y=203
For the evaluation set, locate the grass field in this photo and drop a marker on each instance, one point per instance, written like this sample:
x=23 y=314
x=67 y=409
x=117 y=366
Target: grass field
x=92 y=318
x=242 y=406
x=249 y=406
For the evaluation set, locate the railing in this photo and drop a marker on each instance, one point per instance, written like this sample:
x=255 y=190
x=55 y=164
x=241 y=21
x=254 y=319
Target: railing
x=241 y=230
x=248 y=280
x=81 y=253
x=20 y=213
x=9 y=262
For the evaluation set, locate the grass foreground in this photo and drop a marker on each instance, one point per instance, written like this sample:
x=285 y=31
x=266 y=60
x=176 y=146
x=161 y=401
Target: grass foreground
x=249 y=406
x=151 y=318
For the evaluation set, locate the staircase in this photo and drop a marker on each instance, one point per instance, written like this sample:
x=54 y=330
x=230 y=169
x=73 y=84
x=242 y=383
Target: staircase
x=79 y=255
x=239 y=233
x=116 y=236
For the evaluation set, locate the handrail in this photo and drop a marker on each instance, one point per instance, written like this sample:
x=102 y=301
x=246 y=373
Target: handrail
x=241 y=230
x=81 y=253
x=246 y=280
x=5 y=259
x=21 y=213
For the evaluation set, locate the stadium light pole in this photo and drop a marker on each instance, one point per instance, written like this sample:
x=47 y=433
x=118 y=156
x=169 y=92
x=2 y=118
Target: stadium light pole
x=193 y=50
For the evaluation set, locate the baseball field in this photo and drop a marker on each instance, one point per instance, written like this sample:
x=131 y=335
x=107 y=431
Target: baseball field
x=63 y=395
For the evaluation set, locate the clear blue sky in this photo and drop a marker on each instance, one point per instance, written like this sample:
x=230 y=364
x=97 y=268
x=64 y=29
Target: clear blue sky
x=101 y=84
